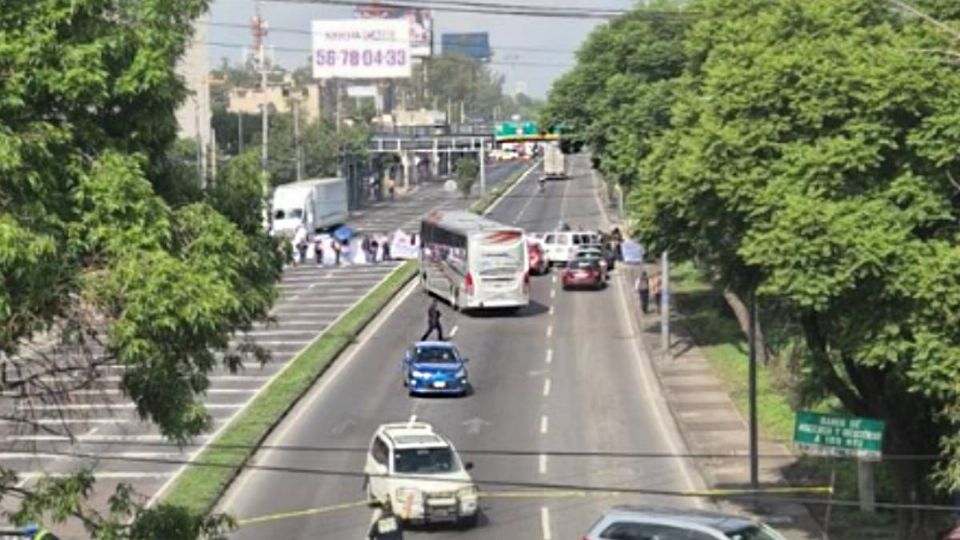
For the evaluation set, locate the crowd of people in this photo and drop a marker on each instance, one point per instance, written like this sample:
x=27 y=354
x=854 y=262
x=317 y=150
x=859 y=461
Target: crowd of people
x=326 y=249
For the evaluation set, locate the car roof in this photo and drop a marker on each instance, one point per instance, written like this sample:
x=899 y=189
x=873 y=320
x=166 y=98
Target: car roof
x=413 y=435
x=722 y=522
x=434 y=344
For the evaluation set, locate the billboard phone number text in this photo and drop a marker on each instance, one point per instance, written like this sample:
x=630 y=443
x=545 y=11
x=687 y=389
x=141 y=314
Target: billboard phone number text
x=366 y=57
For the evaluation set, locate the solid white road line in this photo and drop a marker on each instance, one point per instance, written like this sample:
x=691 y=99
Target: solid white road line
x=546 y=387
x=105 y=456
x=543 y=464
x=87 y=438
x=213 y=436
x=549 y=356
x=545 y=522
x=110 y=475
x=294 y=421
x=549 y=330
x=544 y=423
x=269 y=333
x=107 y=406
x=453 y=331
x=523 y=177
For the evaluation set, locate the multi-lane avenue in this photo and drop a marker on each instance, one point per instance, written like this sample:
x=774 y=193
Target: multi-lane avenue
x=567 y=374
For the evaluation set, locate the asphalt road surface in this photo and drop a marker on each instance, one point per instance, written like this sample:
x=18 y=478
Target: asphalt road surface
x=565 y=374
x=111 y=440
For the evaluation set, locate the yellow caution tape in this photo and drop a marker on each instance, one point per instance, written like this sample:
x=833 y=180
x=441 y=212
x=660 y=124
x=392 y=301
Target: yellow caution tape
x=299 y=513
x=550 y=494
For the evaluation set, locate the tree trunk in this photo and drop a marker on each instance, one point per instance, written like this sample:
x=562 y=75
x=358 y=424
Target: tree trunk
x=742 y=312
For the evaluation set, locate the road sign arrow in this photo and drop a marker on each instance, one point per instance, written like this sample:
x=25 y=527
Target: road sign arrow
x=474 y=425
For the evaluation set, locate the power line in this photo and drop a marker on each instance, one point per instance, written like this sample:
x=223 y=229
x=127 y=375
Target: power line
x=309 y=51
x=300 y=31
x=483 y=451
x=622 y=490
x=495 y=9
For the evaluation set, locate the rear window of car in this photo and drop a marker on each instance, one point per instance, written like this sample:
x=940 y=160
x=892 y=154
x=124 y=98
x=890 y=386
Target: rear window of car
x=582 y=264
x=435 y=355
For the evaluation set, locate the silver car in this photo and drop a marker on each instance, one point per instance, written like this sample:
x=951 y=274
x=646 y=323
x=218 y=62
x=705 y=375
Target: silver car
x=647 y=523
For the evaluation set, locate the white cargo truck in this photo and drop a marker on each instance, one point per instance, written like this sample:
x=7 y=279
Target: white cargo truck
x=554 y=163
x=313 y=204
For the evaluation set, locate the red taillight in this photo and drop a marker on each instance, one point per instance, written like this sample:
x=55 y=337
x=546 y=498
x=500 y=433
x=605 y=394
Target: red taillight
x=468 y=283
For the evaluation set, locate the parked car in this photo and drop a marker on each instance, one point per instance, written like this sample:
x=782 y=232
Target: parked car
x=634 y=522
x=583 y=273
x=538 y=259
x=435 y=367
x=419 y=474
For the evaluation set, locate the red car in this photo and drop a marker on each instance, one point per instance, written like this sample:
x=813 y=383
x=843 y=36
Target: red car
x=583 y=273
x=538 y=259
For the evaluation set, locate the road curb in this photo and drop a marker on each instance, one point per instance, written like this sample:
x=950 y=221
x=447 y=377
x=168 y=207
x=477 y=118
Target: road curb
x=199 y=503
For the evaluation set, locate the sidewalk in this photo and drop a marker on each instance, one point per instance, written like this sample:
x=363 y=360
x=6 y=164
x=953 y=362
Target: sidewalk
x=711 y=424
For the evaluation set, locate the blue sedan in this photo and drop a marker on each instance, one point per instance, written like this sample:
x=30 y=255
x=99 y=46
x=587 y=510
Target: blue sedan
x=435 y=367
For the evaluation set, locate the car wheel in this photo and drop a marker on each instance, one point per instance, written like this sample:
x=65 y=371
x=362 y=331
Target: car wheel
x=469 y=522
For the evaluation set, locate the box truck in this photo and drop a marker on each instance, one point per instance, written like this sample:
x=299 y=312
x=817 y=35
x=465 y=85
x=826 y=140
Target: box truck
x=314 y=204
x=554 y=163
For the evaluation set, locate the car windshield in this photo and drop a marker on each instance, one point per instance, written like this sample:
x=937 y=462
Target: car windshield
x=425 y=461
x=436 y=355
x=292 y=213
x=755 y=532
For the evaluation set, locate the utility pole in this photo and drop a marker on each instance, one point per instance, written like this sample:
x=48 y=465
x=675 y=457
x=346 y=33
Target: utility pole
x=483 y=170
x=259 y=27
x=665 y=305
x=754 y=441
x=297 y=149
x=239 y=133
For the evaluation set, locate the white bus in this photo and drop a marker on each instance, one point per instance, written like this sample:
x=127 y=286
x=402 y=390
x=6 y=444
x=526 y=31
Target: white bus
x=473 y=262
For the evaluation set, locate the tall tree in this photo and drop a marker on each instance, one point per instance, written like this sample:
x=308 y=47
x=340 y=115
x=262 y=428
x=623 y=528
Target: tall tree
x=107 y=243
x=811 y=160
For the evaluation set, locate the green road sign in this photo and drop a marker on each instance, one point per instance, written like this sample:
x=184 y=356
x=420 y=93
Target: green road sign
x=838 y=435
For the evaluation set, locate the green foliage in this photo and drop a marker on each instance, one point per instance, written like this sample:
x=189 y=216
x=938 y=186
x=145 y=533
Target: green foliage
x=467 y=172
x=104 y=229
x=198 y=489
x=805 y=149
x=619 y=95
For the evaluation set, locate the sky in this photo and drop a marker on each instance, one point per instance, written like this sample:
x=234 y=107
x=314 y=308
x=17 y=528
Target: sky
x=530 y=52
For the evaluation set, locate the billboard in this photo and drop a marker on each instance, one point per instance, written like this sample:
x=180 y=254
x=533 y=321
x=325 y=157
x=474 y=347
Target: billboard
x=361 y=49
x=421 y=24
x=474 y=45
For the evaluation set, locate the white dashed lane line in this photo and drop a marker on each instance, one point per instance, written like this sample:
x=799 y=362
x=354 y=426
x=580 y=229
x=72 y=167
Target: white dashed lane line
x=546 y=387
x=549 y=330
x=453 y=331
x=544 y=424
x=543 y=464
x=545 y=523
x=549 y=356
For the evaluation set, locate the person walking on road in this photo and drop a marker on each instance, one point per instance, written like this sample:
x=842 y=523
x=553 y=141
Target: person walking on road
x=642 y=286
x=385 y=526
x=433 y=321
x=386 y=247
x=392 y=187
x=318 y=250
x=337 y=250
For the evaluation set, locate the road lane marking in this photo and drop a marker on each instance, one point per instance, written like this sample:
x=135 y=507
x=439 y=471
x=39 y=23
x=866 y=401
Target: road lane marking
x=543 y=464
x=229 y=421
x=554 y=278
x=107 y=407
x=553 y=293
x=453 y=331
x=549 y=330
x=325 y=381
x=298 y=513
x=546 y=387
x=551 y=310
x=523 y=177
x=544 y=424
x=545 y=522
x=549 y=356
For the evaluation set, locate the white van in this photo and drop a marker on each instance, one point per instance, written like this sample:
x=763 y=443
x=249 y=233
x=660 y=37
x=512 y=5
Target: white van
x=419 y=474
x=560 y=246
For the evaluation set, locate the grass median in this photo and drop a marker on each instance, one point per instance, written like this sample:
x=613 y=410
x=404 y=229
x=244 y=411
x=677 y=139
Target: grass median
x=200 y=485
x=480 y=206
